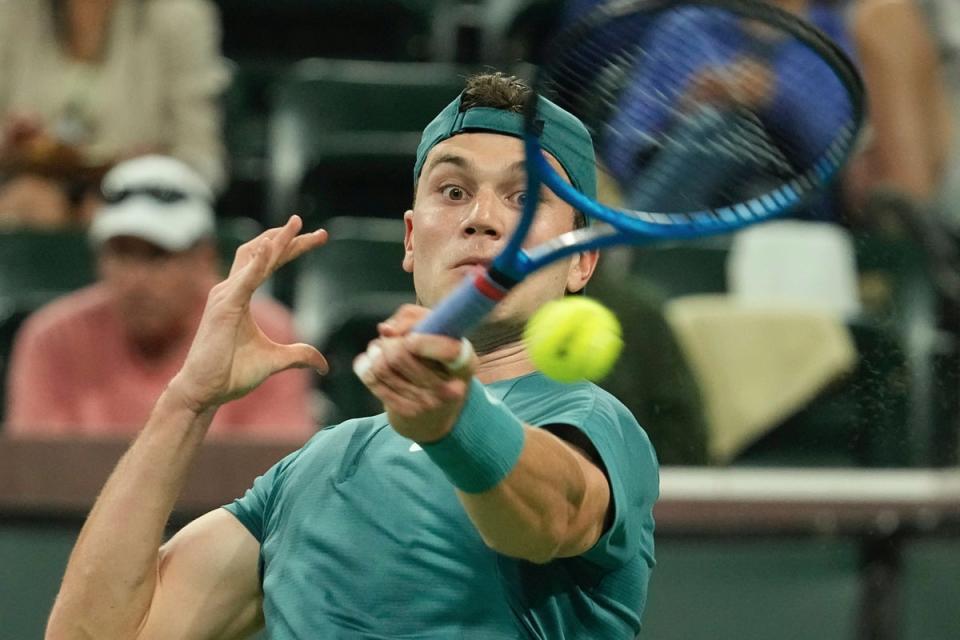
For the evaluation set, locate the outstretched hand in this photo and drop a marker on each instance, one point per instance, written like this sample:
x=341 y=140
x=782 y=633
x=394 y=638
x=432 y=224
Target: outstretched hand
x=230 y=355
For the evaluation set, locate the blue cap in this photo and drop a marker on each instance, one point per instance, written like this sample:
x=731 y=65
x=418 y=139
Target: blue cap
x=562 y=135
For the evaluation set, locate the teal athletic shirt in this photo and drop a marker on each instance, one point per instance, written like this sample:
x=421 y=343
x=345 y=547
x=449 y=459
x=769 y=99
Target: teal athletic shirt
x=362 y=536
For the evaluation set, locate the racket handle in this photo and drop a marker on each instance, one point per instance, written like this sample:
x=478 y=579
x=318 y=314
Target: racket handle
x=463 y=309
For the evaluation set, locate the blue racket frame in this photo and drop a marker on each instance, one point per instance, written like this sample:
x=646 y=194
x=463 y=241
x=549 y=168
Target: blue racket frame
x=479 y=293
x=466 y=306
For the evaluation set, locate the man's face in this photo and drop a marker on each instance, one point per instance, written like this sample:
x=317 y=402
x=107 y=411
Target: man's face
x=156 y=292
x=468 y=201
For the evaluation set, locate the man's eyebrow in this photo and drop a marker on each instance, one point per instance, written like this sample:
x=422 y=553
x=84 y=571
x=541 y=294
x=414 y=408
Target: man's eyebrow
x=520 y=166
x=449 y=158
x=517 y=168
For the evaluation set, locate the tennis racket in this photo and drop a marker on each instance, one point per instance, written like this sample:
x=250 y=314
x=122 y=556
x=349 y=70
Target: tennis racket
x=706 y=116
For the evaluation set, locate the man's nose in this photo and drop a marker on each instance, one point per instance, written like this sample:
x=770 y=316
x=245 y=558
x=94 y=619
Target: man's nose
x=486 y=216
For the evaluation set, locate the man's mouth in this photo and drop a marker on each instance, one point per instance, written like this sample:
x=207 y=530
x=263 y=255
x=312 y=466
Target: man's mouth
x=473 y=261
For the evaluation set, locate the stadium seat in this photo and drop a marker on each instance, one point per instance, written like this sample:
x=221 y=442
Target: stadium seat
x=293 y=29
x=350 y=124
x=10 y=321
x=884 y=414
x=527 y=33
x=246 y=108
x=892 y=411
x=345 y=396
x=342 y=291
x=357 y=273
x=899 y=296
x=686 y=268
x=231 y=233
x=34 y=554
x=36 y=267
x=930 y=589
x=753 y=589
x=859 y=421
x=496 y=32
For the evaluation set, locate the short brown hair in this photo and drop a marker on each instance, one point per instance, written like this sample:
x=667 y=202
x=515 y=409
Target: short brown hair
x=494 y=90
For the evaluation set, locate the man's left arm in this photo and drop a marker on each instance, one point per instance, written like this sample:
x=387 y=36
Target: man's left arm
x=554 y=503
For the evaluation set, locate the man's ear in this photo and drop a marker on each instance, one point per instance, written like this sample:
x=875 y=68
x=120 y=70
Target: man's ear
x=408 y=241
x=582 y=266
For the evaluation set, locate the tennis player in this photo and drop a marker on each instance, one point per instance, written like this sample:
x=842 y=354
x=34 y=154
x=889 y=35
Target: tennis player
x=487 y=502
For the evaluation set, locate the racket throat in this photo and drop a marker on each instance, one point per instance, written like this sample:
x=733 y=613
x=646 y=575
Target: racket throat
x=495 y=283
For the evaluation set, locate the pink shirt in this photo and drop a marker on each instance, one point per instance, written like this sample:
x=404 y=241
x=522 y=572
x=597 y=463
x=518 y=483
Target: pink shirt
x=73 y=373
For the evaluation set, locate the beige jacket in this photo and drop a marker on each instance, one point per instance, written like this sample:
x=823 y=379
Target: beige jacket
x=158 y=86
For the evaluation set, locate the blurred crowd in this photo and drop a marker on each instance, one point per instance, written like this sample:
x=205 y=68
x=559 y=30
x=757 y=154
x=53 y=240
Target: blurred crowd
x=141 y=125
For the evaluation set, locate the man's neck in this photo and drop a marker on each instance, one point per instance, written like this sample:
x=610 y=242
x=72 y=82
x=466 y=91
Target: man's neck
x=157 y=349
x=500 y=349
x=507 y=361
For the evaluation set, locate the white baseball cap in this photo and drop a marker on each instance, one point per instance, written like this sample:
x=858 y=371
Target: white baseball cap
x=155 y=198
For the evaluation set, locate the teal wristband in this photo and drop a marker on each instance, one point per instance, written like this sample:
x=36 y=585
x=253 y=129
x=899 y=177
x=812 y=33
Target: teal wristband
x=483 y=446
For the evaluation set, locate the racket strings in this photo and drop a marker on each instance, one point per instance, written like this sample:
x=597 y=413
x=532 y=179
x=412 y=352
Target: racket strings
x=703 y=114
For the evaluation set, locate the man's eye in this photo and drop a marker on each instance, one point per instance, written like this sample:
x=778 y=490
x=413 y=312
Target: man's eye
x=453 y=192
x=519 y=198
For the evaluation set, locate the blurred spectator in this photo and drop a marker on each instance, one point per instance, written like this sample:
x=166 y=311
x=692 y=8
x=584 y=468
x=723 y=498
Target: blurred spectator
x=87 y=83
x=907 y=142
x=944 y=18
x=907 y=147
x=94 y=362
x=713 y=57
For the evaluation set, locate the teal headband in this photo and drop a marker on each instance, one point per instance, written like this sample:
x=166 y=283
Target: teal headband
x=563 y=136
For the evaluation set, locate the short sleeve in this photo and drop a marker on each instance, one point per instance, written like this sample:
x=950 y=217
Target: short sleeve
x=632 y=469
x=253 y=508
x=624 y=449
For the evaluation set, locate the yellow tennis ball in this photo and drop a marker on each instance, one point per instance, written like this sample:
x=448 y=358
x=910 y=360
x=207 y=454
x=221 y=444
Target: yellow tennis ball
x=573 y=338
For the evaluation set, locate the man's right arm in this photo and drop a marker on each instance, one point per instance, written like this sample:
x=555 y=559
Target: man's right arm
x=119 y=582
x=202 y=584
